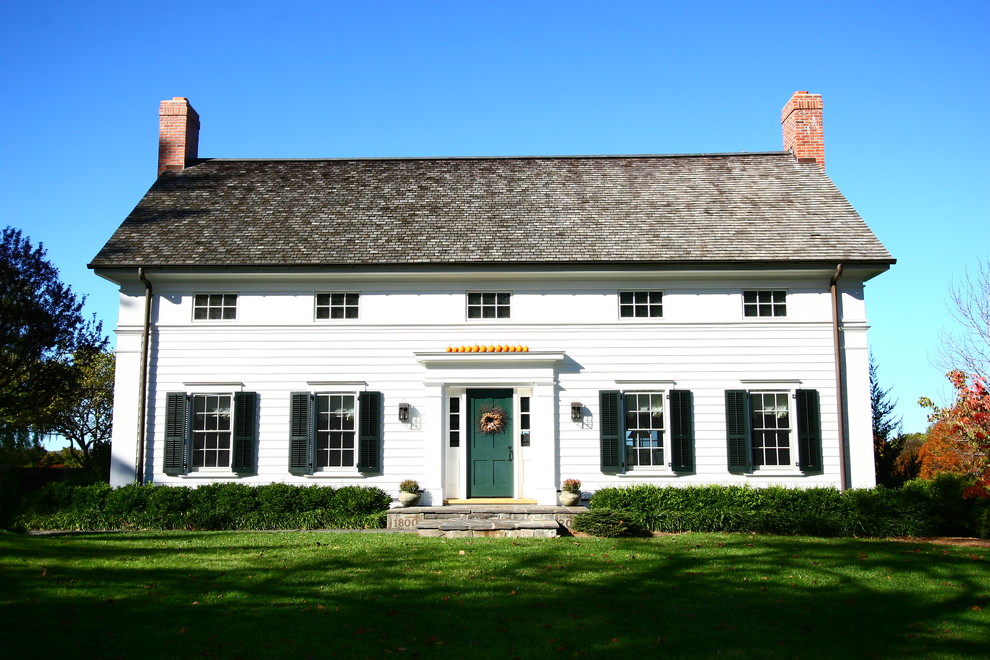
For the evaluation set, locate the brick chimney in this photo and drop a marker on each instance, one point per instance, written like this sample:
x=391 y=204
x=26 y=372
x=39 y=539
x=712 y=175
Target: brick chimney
x=801 y=123
x=178 y=134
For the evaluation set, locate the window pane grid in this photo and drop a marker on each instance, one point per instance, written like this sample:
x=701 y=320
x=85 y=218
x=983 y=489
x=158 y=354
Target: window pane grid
x=488 y=305
x=764 y=303
x=215 y=306
x=337 y=305
x=644 y=428
x=454 y=421
x=771 y=428
x=335 y=430
x=211 y=430
x=640 y=304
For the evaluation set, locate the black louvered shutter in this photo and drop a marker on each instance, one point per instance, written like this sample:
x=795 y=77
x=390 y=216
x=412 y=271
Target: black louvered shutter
x=737 y=426
x=300 y=432
x=370 y=431
x=176 y=428
x=610 y=429
x=809 y=421
x=681 y=431
x=245 y=431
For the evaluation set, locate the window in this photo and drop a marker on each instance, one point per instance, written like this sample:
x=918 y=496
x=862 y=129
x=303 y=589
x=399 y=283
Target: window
x=764 y=303
x=765 y=431
x=337 y=305
x=644 y=428
x=335 y=430
x=636 y=431
x=454 y=421
x=488 y=305
x=215 y=306
x=209 y=432
x=640 y=304
x=524 y=421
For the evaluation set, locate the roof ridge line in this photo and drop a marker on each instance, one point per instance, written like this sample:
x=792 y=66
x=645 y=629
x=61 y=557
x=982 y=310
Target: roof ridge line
x=551 y=157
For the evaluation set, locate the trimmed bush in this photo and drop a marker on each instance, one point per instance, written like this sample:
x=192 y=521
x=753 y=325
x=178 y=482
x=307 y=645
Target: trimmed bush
x=220 y=506
x=606 y=523
x=936 y=507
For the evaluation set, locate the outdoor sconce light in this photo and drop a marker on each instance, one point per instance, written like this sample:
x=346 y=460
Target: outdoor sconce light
x=576 y=411
x=403 y=412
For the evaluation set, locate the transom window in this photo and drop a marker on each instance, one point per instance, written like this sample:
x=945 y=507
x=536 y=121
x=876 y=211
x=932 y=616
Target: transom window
x=214 y=306
x=640 y=304
x=335 y=415
x=644 y=428
x=765 y=303
x=488 y=305
x=337 y=305
x=211 y=430
x=771 y=428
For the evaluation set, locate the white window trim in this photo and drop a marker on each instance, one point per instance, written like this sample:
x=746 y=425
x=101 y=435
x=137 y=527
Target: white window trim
x=650 y=470
x=791 y=390
x=487 y=320
x=639 y=319
x=205 y=471
x=338 y=470
x=750 y=319
x=237 y=306
x=316 y=306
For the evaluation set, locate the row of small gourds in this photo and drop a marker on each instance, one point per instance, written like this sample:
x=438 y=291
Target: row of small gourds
x=497 y=348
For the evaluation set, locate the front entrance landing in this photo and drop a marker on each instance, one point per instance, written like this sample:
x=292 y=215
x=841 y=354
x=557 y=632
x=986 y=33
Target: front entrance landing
x=493 y=520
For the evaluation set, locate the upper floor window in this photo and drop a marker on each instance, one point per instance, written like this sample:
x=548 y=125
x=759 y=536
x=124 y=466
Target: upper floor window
x=488 y=305
x=214 y=306
x=337 y=305
x=764 y=303
x=640 y=304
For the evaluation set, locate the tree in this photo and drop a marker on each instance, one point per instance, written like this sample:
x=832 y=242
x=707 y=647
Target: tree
x=83 y=413
x=887 y=442
x=959 y=438
x=41 y=326
x=968 y=348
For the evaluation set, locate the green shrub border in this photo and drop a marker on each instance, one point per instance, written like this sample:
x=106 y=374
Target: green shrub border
x=933 y=507
x=218 y=506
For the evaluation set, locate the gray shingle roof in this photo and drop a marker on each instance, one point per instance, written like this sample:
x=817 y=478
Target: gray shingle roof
x=736 y=208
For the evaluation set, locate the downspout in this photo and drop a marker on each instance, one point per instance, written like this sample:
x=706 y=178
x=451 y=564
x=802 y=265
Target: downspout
x=840 y=392
x=143 y=386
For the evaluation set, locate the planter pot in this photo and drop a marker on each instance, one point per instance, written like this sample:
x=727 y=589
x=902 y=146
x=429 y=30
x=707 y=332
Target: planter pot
x=569 y=498
x=409 y=499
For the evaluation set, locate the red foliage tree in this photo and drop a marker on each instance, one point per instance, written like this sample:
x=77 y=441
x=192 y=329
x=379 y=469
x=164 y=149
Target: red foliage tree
x=959 y=439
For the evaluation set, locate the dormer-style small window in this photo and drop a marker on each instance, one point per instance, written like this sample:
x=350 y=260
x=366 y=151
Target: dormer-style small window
x=337 y=305
x=764 y=303
x=488 y=305
x=640 y=304
x=215 y=306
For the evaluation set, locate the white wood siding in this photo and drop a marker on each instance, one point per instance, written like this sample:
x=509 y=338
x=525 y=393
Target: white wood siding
x=703 y=343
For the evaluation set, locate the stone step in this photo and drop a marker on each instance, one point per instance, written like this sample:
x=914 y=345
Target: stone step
x=482 y=519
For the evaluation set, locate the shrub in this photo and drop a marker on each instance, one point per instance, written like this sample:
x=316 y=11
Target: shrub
x=606 y=523
x=211 y=506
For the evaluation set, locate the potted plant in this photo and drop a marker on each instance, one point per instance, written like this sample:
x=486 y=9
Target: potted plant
x=570 y=492
x=409 y=492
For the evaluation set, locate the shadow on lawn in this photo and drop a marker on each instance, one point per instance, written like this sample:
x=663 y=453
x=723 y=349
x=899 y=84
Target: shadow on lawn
x=293 y=595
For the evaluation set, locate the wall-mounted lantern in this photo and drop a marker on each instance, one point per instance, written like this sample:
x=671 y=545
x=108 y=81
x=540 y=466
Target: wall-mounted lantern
x=577 y=413
x=403 y=412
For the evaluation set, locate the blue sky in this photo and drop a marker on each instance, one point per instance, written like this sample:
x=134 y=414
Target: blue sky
x=906 y=88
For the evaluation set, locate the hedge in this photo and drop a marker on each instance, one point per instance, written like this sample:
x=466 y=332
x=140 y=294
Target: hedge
x=209 y=507
x=920 y=508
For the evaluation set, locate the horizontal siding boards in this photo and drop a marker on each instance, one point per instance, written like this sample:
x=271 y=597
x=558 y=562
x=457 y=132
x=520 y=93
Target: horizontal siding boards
x=704 y=358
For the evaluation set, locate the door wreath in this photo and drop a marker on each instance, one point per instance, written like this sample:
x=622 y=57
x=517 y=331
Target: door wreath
x=492 y=420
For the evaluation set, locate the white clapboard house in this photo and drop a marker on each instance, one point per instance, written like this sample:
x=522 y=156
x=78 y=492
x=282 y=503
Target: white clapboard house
x=493 y=326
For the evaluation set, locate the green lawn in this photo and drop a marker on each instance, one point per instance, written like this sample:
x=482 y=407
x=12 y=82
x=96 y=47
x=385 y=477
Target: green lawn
x=300 y=594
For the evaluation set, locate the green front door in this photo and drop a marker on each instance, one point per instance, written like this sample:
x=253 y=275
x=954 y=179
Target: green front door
x=490 y=465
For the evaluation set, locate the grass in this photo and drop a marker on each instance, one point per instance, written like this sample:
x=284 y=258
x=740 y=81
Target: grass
x=300 y=594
